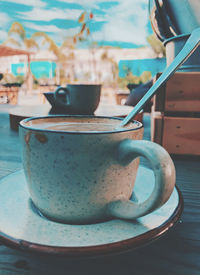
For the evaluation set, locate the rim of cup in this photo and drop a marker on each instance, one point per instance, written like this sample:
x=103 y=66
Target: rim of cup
x=23 y=124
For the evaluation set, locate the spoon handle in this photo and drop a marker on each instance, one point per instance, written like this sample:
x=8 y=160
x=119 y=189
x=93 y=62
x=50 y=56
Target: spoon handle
x=189 y=47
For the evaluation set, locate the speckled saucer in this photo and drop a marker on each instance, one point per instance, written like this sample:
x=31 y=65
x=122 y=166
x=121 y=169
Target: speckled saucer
x=22 y=227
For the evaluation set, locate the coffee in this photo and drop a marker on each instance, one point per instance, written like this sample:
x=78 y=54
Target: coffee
x=80 y=124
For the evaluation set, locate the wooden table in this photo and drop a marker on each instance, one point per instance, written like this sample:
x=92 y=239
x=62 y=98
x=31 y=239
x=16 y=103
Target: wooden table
x=20 y=112
x=176 y=253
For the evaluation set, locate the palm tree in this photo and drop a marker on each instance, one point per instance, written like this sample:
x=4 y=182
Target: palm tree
x=49 y=41
x=81 y=36
x=61 y=58
x=17 y=37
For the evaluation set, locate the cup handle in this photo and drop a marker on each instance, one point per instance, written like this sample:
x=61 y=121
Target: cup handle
x=56 y=96
x=164 y=172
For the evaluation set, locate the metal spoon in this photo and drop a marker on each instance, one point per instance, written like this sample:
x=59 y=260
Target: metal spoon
x=189 y=47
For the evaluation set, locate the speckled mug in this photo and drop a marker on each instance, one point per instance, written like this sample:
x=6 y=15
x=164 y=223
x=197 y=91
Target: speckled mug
x=86 y=177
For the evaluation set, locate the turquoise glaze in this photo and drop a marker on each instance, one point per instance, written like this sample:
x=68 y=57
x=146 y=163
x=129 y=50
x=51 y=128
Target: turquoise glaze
x=86 y=177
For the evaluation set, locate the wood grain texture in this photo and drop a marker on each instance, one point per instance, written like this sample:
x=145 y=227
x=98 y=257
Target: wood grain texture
x=177 y=253
x=178 y=135
x=183 y=92
x=180 y=94
x=181 y=135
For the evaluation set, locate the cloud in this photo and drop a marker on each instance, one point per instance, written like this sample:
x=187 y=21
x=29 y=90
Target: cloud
x=56 y=33
x=125 y=22
x=70 y=32
x=3 y=35
x=34 y=3
x=42 y=28
x=84 y=3
x=5 y=19
x=38 y=14
x=89 y=2
x=62 y=35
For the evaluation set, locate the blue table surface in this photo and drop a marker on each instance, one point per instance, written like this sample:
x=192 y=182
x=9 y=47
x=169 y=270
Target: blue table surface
x=177 y=252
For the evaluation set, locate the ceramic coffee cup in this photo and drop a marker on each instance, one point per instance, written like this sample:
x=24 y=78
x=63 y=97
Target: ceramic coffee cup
x=78 y=98
x=82 y=169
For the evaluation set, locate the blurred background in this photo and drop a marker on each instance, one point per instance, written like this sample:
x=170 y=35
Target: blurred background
x=66 y=41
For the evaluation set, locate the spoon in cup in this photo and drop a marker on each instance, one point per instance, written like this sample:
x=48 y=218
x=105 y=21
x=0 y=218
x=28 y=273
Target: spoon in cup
x=189 y=47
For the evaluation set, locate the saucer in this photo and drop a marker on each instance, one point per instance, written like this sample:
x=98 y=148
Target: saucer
x=22 y=227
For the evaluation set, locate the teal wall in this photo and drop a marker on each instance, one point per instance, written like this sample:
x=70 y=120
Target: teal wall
x=138 y=66
x=40 y=69
x=17 y=69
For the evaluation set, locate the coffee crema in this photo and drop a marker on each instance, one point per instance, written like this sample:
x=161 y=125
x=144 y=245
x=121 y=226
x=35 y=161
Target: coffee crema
x=79 y=124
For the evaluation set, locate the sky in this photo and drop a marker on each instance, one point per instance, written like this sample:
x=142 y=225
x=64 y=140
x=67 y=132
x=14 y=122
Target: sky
x=120 y=23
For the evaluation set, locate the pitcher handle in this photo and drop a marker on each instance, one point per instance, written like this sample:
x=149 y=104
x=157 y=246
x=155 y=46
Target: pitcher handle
x=56 y=96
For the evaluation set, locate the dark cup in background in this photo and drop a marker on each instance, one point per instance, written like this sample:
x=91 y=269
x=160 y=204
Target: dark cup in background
x=75 y=98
